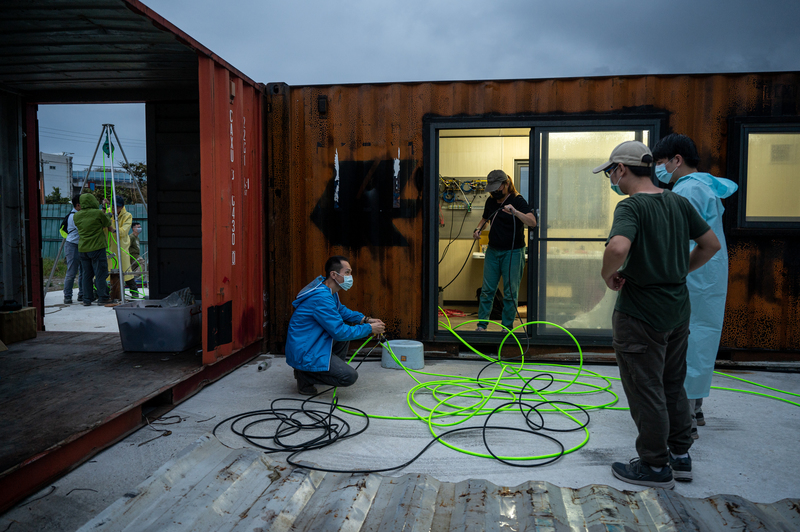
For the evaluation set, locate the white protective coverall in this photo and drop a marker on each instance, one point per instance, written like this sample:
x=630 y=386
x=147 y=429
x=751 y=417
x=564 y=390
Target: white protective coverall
x=708 y=285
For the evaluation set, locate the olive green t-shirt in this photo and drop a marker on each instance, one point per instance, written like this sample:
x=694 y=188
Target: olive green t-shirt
x=659 y=227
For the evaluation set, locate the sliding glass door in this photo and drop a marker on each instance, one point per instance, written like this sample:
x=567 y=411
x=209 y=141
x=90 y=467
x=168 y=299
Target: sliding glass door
x=551 y=165
x=576 y=211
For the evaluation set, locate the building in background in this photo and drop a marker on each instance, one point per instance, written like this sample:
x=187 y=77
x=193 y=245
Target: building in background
x=97 y=179
x=56 y=173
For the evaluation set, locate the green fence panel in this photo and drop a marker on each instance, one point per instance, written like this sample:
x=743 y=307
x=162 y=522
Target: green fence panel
x=51 y=221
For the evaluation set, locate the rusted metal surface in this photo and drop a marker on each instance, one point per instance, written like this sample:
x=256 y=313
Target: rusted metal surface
x=367 y=127
x=57 y=51
x=230 y=175
x=120 y=50
x=211 y=487
x=14 y=273
x=35 y=288
x=65 y=49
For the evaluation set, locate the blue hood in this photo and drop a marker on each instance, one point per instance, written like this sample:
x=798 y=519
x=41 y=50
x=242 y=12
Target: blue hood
x=721 y=187
x=310 y=289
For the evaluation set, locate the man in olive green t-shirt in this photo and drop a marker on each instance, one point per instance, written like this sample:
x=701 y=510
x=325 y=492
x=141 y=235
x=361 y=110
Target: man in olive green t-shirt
x=647 y=260
x=91 y=222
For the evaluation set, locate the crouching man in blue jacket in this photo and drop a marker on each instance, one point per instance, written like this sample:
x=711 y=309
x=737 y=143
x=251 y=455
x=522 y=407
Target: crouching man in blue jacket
x=321 y=327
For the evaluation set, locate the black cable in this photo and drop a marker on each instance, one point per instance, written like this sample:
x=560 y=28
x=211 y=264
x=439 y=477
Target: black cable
x=469 y=252
x=463 y=220
x=330 y=428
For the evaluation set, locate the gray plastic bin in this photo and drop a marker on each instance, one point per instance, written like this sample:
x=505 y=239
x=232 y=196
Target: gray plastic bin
x=146 y=326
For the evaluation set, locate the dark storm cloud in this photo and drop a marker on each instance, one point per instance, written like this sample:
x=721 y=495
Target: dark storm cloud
x=362 y=41
x=318 y=42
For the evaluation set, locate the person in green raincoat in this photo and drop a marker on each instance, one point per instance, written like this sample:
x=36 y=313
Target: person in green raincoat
x=676 y=160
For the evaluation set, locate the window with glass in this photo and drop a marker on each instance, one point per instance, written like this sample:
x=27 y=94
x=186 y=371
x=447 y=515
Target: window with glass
x=770 y=176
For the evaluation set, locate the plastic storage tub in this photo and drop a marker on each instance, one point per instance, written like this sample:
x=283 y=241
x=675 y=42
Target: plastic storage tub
x=147 y=326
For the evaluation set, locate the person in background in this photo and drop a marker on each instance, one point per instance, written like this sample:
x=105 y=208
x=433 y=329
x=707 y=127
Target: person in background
x=676 y=160
x=650 y=324
x=133 y=250
x=321 y=328
x=508 y=213
x=91 y=222
x=124 y=219
x=72 y=254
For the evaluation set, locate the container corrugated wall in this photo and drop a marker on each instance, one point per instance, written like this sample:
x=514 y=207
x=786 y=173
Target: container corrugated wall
x=367 y=127
x=231 y=174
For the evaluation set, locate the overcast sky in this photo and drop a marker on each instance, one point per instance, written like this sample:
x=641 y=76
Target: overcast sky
x=359 y=41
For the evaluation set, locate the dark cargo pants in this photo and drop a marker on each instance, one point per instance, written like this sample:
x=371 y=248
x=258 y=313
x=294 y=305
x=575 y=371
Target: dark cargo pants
x=652 y=366
x=339 y=374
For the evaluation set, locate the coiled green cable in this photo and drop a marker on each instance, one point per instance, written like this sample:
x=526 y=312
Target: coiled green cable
x=510 y=386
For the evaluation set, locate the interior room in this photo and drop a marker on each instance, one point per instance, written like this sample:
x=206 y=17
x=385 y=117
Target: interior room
x=466 y=156
x=561 y=282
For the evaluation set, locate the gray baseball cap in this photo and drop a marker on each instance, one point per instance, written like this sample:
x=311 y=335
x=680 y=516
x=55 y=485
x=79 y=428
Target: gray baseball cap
x=629 y=153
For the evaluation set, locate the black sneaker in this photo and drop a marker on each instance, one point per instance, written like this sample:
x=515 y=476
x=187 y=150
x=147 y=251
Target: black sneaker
x=681 y=468
x=701 y=421
x=80 y=298
x=67 y=300
x=303 y=386
x=308 y=390
x=87 y=303
x=637 y=472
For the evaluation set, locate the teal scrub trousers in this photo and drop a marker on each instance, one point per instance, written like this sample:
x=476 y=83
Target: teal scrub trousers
x=509 y=265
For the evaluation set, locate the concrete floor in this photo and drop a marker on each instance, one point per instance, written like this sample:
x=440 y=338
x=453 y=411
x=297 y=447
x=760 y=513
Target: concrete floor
x=76 y=317
x=748 y=447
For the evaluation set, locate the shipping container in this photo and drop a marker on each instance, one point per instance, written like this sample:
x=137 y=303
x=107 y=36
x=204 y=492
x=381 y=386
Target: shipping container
x=205 y=162
x=252 y=187
x=377 y=172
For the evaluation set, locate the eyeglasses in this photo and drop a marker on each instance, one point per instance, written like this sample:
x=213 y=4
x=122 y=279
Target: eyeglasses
x=609 y=171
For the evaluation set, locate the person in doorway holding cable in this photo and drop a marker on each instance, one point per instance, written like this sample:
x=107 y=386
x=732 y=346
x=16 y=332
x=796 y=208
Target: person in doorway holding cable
x=648 y=266
x=507 y=212
x=321 y=328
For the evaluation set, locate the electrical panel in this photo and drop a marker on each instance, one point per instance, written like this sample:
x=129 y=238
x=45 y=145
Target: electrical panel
x=461 y=202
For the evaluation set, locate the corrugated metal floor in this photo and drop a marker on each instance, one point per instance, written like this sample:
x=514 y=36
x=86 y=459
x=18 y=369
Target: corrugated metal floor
x=212 y=487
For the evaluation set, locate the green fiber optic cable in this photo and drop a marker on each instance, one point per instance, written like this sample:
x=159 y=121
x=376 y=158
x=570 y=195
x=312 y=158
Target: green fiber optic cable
x=492 y=388
x=482 y=395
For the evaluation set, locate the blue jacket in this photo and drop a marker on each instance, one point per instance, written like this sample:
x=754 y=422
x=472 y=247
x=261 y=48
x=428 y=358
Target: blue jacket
x=319 y=319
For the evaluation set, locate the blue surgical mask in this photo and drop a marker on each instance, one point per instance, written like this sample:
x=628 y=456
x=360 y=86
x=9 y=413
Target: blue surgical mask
x=615 y=186
x=347 y=284
x=662 y=174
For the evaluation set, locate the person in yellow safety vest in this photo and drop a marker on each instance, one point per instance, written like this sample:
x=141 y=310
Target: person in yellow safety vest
x=125 y=220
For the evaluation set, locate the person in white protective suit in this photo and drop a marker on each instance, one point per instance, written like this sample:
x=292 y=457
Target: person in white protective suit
x=676 y=160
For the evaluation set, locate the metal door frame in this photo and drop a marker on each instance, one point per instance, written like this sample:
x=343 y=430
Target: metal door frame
x=654 y=122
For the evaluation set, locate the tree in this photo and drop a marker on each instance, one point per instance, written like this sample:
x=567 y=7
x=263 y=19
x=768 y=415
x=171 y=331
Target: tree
x=56 y=197
x=137 y=171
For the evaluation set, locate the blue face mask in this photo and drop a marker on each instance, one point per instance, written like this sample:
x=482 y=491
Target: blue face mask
x=662 y=174
x=615 y=187
x=347 y=284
